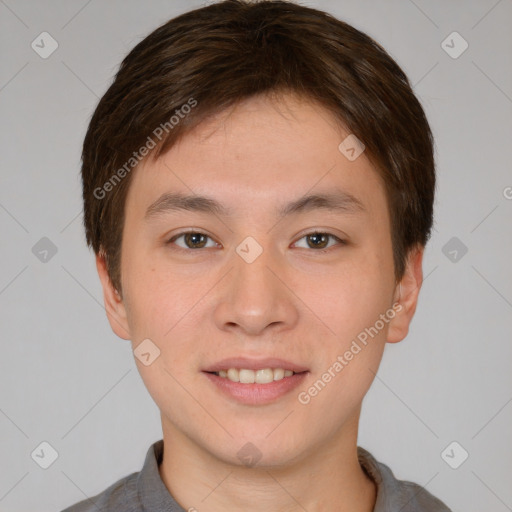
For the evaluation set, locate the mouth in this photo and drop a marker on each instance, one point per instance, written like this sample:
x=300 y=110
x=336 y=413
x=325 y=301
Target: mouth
x=248 y=376
x=255 y=382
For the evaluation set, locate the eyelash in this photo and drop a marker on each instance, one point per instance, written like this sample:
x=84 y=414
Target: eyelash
x=196 y=232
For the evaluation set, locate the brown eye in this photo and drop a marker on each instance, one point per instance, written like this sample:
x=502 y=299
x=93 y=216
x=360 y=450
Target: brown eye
x=320 y=241
x=191 y=240
x=195 y=240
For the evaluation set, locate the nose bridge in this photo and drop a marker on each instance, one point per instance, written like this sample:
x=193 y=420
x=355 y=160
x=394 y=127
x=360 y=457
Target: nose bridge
x=254 y=297
x=254 y=283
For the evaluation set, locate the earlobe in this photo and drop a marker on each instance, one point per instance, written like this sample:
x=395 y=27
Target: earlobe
x=114 y=305
x=407 y=292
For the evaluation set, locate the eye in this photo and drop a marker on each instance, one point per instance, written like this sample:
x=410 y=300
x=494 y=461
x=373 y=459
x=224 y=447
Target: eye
x=320 y=241
x=197 y=240
x=192 y=240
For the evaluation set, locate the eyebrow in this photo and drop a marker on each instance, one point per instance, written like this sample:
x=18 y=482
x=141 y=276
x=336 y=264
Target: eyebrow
x=338 y=201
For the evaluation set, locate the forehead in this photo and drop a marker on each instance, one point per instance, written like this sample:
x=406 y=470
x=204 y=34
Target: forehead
x=260 y=152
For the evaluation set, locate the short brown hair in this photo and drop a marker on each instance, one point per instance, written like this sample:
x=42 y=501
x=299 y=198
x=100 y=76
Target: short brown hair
x=212 y=58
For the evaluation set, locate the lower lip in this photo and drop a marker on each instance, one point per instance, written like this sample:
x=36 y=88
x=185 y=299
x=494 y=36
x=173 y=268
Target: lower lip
x=257 y=394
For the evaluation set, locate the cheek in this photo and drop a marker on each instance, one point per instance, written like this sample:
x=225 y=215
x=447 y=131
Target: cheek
x=349 y=299
x=159 y=297
x=353 y=338
x=163 y=308
x=349 y=360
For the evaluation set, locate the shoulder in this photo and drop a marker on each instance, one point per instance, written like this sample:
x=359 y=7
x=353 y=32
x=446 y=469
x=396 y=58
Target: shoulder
x=393 y=494
x=121 y=495
x=414 y=498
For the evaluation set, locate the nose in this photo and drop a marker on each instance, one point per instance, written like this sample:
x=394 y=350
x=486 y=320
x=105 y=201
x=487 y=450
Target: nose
x=256 y=297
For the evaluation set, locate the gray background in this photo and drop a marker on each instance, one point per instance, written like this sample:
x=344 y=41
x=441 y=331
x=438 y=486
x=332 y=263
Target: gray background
x=68 y=380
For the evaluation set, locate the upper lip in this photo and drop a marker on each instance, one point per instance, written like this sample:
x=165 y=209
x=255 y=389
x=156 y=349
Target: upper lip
x=254 y=364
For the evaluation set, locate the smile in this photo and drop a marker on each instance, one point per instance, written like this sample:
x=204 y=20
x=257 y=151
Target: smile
x=246 y=376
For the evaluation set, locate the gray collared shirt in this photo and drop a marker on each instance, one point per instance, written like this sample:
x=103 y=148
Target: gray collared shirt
x=145 y=491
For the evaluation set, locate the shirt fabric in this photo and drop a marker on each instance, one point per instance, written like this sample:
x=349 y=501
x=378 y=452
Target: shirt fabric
x=145 y=491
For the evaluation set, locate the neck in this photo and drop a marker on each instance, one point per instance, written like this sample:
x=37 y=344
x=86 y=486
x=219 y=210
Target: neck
x=325 y=477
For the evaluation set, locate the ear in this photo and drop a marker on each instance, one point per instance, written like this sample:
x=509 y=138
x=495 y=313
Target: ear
x=114 y=305
x=406 y=295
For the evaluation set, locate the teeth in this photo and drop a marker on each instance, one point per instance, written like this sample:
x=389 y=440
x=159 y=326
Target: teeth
x=233 y=375
x=264 y=376
x=247 y=376
x=278 y=374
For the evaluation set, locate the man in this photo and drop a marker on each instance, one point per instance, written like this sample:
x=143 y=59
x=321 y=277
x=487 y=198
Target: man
x=258 y=188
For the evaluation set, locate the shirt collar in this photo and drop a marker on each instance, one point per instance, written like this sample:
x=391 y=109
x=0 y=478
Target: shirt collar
x=153 y=494
x=389 y=491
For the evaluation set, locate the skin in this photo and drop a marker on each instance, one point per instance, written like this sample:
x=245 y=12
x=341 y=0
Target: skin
x=293 y=302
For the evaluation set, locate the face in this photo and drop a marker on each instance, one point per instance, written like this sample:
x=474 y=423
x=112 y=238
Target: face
x=265 y=280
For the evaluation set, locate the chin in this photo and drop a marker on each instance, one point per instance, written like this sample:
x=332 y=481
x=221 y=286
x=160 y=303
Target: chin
x=257 y=452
